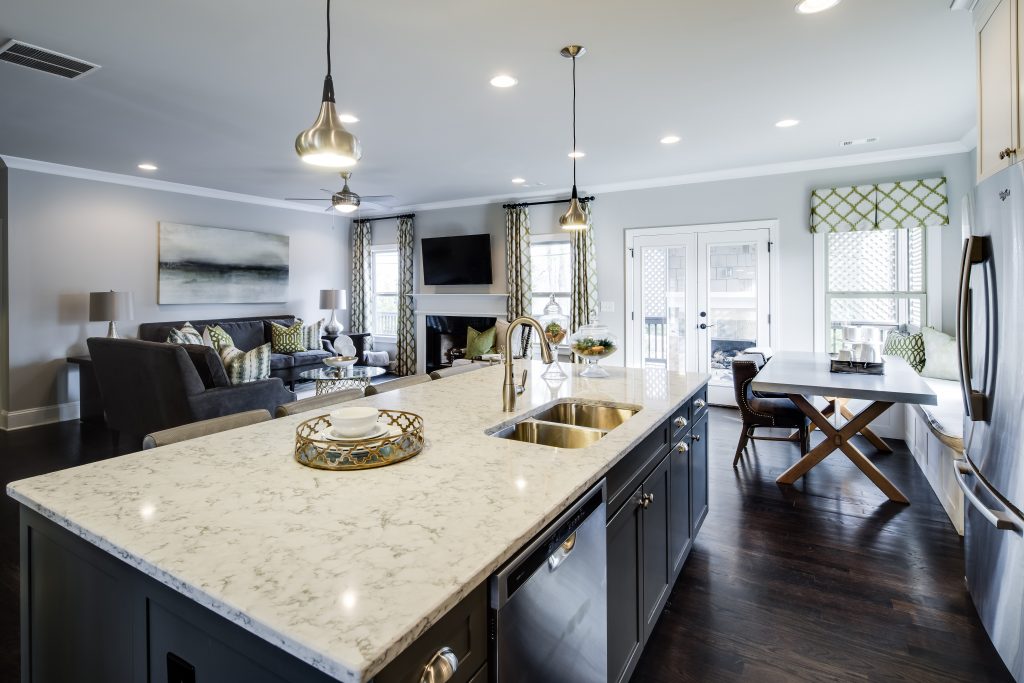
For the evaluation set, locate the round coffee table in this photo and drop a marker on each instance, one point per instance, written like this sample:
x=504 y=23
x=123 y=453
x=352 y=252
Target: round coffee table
x=329 y=380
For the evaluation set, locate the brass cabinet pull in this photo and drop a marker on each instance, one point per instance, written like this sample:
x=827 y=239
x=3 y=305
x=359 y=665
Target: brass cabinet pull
x=680 y=422
x=682 y=447
x=1007 y=153
x=441 y=668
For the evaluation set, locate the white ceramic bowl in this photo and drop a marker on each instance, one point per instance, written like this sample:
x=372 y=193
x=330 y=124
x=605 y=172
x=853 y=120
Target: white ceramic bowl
x=354 y=421
x=340 y=361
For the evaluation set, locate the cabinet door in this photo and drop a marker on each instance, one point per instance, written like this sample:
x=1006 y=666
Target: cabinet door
x=679 y=502
x=698 y=474
x=657 y=565
x=997 y=88
x=625 y=554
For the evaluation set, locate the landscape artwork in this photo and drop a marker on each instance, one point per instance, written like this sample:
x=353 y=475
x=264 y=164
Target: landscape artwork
x=200 y=265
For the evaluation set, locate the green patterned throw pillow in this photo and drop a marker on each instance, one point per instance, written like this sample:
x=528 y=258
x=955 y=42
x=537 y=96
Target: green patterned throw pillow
x=186 y=335
x=219 y=337
x=311 y=335
x=246 y=366
x=479 y=343
x=909 y=347
x=287 y=339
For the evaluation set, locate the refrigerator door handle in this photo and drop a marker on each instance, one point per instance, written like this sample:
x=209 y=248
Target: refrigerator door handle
x=974 y=401
x=998 y=519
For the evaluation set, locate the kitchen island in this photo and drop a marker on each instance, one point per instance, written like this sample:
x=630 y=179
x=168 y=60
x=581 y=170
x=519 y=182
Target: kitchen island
x=224 y=544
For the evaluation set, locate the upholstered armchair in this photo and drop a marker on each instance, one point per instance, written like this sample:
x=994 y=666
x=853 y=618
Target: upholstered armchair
x=766 y=411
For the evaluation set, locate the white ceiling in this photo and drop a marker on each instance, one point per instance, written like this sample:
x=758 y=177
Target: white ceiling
x=215 y=92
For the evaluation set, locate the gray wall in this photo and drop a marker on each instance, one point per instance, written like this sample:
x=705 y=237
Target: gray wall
x=70 y=236
x=785 y=198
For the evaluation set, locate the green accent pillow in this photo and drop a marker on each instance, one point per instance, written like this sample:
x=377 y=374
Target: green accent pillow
x=311 y=336
x=246 y=366
x=909 y=347
x=219 y=337
x=479 y=343
x=186 y=335
x=941 y=355
x=286 y=339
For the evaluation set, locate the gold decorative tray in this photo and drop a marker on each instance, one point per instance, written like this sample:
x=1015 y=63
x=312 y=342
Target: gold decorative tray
x=324 y=454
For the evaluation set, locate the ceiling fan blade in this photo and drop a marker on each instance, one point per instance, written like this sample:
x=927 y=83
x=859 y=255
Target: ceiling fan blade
x=374 y=197
x=306 y=199
x=324 y=189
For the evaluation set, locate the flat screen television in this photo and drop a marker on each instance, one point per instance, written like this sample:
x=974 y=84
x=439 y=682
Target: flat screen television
x=457 y=260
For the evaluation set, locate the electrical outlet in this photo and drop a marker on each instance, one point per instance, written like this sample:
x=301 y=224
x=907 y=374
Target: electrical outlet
x=607 y=306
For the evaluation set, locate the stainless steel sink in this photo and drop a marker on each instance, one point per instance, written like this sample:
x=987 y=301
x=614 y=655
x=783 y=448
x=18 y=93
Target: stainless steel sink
x=594 y=415
x=567 y=424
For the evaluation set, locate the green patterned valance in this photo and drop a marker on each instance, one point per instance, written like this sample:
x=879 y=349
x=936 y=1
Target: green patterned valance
x=885 y=206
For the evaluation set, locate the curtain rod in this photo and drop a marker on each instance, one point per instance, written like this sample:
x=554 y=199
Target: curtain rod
x=549 y=201
x=384 y=218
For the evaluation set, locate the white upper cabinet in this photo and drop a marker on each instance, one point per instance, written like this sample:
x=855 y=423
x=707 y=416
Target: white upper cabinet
x=998 y=86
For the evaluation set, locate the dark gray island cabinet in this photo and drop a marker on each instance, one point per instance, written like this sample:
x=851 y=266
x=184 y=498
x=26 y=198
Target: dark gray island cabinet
x=89 y=615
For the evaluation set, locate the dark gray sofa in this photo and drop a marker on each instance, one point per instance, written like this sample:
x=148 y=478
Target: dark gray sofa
x=148 y=386
x=248 y=333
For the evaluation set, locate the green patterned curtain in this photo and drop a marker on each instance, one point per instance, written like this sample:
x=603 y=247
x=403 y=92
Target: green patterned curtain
x=359 y=317
x=517 y=265
x=406 y=353
x=583 y=297
x=883 y=206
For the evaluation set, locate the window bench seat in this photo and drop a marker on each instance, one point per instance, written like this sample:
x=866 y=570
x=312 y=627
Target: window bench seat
x=934 y=435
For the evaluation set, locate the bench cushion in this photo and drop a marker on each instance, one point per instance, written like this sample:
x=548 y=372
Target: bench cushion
x=945 y=420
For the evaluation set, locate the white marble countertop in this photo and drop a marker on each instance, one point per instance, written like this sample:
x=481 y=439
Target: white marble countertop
x=345 y=569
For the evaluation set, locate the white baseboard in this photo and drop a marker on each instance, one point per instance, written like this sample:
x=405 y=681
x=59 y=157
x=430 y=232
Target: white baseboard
x=33 y=417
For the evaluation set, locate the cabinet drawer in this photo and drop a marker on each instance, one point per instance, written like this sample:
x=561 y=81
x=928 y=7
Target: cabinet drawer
x=463 y=630
x=699 y=404
x=680 y=420
x=627 y=475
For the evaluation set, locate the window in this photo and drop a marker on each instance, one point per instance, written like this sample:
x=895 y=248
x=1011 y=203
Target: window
x=384 y=291
x=874 y=278
x=551 y=273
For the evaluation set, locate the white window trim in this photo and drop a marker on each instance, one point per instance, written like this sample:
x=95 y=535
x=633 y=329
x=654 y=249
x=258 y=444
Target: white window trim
x=374 y=249
x=932 y=279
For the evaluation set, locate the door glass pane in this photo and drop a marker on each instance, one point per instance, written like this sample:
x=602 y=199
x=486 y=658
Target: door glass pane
x=663 y=307
x=732 y=306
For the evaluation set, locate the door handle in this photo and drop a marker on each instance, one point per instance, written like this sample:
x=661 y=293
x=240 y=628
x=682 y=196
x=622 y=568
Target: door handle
x=704 y=326
x=974 y=401
x=999 y=520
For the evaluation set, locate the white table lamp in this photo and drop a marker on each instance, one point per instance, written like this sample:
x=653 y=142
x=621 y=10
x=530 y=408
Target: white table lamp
x=111 y=306
x=333 y=300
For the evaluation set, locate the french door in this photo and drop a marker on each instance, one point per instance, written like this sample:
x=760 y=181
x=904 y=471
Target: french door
x=699 y=297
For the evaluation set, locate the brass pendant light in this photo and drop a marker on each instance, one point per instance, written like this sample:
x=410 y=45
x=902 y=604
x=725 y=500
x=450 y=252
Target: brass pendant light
x=326 y=143
x=574 y=218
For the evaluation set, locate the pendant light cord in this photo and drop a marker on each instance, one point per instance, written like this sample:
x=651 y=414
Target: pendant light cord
x=573 y=121
x=328 y=37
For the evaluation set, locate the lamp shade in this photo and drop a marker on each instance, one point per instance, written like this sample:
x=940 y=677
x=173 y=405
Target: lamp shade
x=332 y=299
x=106 y=306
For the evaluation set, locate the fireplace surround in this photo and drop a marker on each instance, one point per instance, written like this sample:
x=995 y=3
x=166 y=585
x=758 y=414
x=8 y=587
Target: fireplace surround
x=444 y=332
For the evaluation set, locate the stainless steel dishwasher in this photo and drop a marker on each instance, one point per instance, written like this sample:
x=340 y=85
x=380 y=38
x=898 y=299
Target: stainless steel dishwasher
x=549 y=607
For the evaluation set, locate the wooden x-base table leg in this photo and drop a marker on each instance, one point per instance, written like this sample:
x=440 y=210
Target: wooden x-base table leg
x=840 y=439
x=829 y=410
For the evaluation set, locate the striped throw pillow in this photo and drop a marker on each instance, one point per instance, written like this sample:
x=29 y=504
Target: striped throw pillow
x=311 y=335
x=287 y=339
x=186 y=335
x=246 y=366
x=219 y=337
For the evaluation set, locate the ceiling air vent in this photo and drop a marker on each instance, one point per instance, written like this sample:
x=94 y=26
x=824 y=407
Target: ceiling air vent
x=854 y=143
x=40 y=59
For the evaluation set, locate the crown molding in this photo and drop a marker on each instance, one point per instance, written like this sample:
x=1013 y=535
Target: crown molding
x=49 y=168
x=782 y=168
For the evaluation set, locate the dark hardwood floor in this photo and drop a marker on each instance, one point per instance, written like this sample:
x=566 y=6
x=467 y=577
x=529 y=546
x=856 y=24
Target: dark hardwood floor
x=822 y=582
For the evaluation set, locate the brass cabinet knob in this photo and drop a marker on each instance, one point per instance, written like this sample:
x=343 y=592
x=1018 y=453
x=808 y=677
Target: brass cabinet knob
x=441 y=668
x=682 y=447
x=680 y=422
x=1007 y=153
x=699 y=403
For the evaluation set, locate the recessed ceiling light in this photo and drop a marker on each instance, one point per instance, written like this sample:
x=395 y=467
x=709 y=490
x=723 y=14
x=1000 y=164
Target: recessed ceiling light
x=787 y=123
x=147 y=167
x=815 y=6
x=670 y=139
x=345 y=117
x=503 y=81
x=519 y=181
x=577 y=154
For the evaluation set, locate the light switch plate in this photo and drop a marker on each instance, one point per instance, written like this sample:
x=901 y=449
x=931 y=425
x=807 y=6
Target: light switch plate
x=607 y=306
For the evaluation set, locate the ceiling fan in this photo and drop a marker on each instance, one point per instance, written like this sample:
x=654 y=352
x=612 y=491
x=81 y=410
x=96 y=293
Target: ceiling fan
x=344 y=201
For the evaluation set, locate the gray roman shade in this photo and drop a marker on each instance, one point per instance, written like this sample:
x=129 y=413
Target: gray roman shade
x=883 y=206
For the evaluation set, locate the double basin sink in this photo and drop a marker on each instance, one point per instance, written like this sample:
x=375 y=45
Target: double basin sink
x=568 y=423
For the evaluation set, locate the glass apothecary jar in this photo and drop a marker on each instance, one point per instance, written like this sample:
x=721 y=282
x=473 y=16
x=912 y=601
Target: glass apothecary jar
x=591 y=343
x=556 y=328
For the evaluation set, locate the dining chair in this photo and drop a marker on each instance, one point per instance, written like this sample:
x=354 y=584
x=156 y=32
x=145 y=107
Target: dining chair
x=203 y=428
x=394 y=384
x=321 y=402
x=456 y=370
x=766 y=411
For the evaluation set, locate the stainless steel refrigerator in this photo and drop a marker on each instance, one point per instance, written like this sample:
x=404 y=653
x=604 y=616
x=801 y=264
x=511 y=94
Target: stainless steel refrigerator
x=990 y=332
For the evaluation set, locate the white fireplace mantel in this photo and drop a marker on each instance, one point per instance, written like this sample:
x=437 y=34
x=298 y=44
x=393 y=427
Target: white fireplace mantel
x=482 y=304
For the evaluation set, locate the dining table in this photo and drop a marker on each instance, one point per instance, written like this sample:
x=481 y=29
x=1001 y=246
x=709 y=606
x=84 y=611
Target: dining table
x=803 y=375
